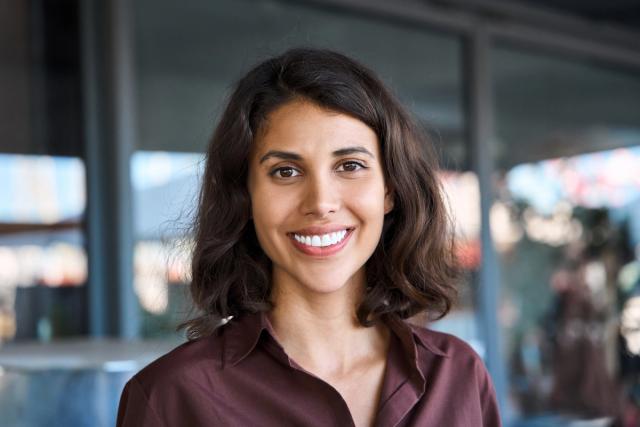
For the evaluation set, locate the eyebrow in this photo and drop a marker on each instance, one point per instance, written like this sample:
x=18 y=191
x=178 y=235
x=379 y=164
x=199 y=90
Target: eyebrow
x=288 y=155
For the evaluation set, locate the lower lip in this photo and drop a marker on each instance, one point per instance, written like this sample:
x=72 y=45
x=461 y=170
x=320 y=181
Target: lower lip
x=319 y=251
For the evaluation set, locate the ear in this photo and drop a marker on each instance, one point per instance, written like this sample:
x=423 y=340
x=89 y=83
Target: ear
x=250 y=209
x=388 y=200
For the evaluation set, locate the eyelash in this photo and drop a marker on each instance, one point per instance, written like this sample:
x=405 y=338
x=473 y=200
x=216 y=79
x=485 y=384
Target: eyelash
x=274 y=171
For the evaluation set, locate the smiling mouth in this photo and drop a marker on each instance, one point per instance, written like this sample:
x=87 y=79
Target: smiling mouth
x=321 y=240
x=321 y=245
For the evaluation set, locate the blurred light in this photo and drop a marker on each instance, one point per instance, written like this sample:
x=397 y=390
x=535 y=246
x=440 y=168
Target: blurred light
x=157 y=168
x=505 y=230
x=7 y=324
x=41 y=189
x=9 y=272
x=30 y=262
x=150 y=280
x=607 y=179
x=120 y=366
x=179 y=263
x=58 y=264
x=508 y=313
x=628 y=276
x=595 y=276
x=630 y=325
x=557 y=230
x=463 y=196
x=469 y=254
x=159 y=265
x=64 y=264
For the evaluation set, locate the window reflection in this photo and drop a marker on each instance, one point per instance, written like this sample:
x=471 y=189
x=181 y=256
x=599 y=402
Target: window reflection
x=462 y=195
x=165 y=186
x=43 y=262
x=566 y=230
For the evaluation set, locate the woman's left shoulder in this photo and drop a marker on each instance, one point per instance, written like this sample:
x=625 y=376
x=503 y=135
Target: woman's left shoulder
x=448 y=344
x=451 y=364
x=455 y=351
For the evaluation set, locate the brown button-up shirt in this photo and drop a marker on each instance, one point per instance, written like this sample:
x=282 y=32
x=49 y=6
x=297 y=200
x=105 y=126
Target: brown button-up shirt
x=241 y=376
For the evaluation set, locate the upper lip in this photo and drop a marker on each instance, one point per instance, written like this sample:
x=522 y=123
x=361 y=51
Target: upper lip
x=326 y=229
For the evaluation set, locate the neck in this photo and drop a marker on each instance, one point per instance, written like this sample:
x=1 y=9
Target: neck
x=321 y=331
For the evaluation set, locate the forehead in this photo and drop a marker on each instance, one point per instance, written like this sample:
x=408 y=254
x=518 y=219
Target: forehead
x=311 y=130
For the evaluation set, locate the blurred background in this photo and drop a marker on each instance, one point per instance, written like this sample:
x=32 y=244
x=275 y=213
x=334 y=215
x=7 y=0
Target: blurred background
x=106 y=108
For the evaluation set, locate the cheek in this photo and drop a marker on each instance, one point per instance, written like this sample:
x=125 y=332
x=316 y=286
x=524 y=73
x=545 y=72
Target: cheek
x=369 y=204
x=269 y=212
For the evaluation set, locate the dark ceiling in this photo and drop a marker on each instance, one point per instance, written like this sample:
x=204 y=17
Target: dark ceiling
x=624 y=13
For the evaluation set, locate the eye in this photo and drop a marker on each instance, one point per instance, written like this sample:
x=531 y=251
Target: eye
x=352 y=166
x=285 y=172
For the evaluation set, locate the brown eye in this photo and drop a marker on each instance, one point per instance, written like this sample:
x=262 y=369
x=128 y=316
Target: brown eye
x=284 y=172
x=352 y=166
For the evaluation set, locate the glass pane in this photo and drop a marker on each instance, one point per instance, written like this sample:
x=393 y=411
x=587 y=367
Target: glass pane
x=185 y=68
x=566 y=223
x=463 y=196
x=165 y=190
x=184 y=55
x=548 y=107
x=43 y=260
x=43 y=263
x=43 y=266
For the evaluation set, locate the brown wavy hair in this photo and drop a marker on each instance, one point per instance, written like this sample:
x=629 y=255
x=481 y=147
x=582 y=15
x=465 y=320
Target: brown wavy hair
x=412 y=270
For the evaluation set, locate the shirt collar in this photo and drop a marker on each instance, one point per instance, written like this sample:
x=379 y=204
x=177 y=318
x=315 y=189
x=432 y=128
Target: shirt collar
x=410 y=334
x=242 y=336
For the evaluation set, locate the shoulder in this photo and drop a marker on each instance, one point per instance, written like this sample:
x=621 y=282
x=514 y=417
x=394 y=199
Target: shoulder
x=441 y=342
x=451 y=365
x=456 y=353
x=163 y=392
x=184 y=363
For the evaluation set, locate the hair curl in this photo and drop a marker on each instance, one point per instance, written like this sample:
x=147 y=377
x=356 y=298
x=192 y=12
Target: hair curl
x=413 y=269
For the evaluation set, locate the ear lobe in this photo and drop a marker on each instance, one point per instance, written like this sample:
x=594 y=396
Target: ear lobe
x=388 y=202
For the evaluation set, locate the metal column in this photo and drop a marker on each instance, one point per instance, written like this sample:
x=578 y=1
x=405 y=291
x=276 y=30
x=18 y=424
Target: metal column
x=109 y=99
x=481 y=133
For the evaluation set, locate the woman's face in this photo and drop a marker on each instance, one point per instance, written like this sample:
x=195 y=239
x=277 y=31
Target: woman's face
x=318 y=196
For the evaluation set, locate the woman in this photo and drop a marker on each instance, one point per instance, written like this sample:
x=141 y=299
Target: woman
x=320 y=227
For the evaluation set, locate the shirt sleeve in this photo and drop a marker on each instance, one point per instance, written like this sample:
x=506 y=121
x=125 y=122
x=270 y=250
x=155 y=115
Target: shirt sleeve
x=135 y=409
x=488 y=401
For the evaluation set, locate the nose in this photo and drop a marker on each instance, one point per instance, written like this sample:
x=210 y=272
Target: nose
x=321 y=197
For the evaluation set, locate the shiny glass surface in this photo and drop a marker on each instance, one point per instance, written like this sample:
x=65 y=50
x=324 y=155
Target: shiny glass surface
x=566 y=225
x=43 y=262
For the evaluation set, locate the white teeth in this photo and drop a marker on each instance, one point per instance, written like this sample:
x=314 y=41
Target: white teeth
x=334 y=238
x=323 y=240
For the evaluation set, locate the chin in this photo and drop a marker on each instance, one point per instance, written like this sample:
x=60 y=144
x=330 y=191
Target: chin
x=325 y=285
x=325 y=288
